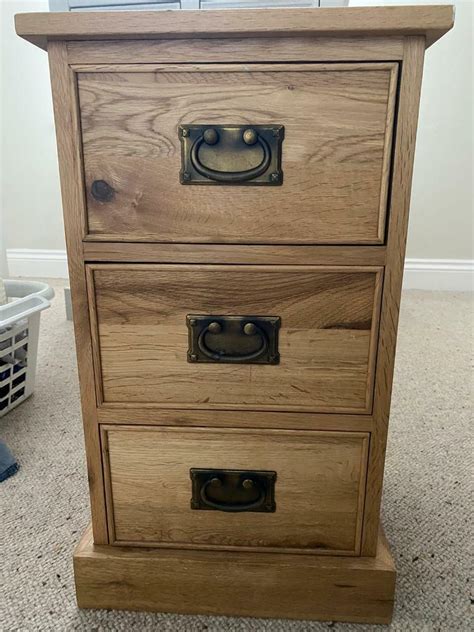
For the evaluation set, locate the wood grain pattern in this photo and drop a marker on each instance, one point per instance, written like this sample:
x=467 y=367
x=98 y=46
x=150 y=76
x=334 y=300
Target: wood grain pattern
x=397 y=233
x=336 y=153
x=326 y=342
x=319 y=490
x=282 y=49
x=219 y=68
x=358 y=589
x=231 y=253
x=235 y=419
x=429 y=21
x=315 y=251
x=70 y=167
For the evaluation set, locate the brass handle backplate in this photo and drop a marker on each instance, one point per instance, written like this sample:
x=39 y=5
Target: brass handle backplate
x=233 y=339
x=231 y=154
x=233 y=490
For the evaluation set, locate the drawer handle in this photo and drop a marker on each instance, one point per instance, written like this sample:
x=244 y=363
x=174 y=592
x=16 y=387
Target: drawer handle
x=249 y=329
x=231 y=154
x=249 y=137
x=233 y=339
x=233 y=490
x=248 y=483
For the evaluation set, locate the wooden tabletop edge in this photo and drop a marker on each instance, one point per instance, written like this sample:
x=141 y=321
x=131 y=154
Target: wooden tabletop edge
x=432 y=21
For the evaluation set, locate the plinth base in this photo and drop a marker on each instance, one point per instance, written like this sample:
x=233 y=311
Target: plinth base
x=327 y=588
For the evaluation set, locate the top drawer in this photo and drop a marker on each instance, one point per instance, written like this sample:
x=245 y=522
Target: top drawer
x=337 y=119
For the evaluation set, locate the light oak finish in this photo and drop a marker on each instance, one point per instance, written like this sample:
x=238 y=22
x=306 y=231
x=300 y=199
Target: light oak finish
x=319 y=490
x=429 y=21
x=70 y=166
x=396 y=244
x=282 y=49
x=280 y=585
x=326 y=340
x=236 y=419
x=231 y=253
x=218 y=68
x=336 y=154
x=328 y=259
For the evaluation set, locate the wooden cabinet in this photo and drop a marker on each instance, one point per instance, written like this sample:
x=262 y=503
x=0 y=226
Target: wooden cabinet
x=236 y=190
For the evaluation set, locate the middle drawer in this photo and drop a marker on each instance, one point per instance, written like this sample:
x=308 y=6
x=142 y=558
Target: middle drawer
x=326 y=339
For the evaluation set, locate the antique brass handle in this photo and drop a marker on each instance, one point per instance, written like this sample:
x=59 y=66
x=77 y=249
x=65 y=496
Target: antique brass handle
x=231 y=154
x=233 y=339
x=233 y=490
x=248 y=329
x=249 y=137
x=248 y=483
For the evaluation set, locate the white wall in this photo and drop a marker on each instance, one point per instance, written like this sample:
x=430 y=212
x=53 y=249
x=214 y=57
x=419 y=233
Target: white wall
x=441 y=215
x=442 y=199
x=30 y=195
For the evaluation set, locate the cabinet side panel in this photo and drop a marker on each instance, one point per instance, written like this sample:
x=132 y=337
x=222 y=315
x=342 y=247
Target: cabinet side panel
x=411 y=75
x=70 y=168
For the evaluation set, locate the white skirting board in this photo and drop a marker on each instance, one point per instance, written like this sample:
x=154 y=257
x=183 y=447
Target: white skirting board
x=30 y=262
x=439 y=274
x=420 y=274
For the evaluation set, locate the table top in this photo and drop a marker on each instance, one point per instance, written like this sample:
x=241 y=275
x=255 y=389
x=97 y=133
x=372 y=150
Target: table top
x=431 y=21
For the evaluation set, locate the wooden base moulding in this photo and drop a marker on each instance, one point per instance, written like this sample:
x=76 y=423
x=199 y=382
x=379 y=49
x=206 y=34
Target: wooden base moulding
x=276 y=585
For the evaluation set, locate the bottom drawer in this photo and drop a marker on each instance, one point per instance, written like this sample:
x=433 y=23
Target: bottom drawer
x=298 y=491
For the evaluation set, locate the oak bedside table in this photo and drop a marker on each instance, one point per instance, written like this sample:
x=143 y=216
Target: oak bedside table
x=236 y=189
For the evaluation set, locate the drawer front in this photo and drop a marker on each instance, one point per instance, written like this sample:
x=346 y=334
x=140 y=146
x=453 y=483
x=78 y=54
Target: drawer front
x=322 y=355
x=337 y=122
x=318 y=488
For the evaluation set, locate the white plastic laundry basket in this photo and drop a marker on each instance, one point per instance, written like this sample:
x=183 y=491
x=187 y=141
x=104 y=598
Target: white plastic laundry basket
x=19 y=331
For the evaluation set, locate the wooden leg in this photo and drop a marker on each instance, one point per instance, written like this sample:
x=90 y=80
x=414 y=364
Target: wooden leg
x=356 y=589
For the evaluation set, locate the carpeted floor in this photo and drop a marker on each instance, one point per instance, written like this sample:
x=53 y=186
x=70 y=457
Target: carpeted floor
x=44 y=508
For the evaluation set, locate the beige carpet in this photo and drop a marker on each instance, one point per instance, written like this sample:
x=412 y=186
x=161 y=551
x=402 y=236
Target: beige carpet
x=44 y=507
